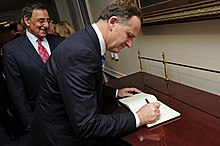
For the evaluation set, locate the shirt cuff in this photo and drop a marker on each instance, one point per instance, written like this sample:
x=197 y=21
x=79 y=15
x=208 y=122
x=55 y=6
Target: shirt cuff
x=137 y=119
x=116 y=94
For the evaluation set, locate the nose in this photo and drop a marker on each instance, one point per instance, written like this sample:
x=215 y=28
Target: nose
x=46 y=24
x=129 y=43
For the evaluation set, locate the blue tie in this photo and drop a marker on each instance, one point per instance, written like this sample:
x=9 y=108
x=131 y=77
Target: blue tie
x=103 y=59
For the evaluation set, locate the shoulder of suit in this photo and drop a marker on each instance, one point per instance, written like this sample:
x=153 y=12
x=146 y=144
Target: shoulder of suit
x=15 y=42
x=54 y=36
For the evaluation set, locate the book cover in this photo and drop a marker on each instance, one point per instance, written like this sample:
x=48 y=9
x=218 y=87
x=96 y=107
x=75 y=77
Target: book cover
x=134 y=103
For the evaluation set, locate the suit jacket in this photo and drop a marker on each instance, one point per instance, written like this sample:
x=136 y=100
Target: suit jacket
x=68 y=109
x=23 y=69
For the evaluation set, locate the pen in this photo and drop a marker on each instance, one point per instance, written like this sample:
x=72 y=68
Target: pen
x=147 y=100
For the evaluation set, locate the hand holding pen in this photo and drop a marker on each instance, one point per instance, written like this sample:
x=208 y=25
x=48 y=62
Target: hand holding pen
x=149 y=113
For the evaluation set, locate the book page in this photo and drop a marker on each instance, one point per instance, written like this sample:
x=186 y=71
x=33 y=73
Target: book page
x=134 y=103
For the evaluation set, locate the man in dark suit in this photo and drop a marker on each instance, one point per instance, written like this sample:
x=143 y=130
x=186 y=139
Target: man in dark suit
x=23 y=65
x=68 y=110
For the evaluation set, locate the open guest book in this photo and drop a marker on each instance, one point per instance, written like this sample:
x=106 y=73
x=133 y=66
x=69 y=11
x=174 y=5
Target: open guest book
x=134 y=103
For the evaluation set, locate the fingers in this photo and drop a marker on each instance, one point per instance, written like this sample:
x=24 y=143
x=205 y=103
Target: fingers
x=134 y=90
x=128 y=92
x=149 y=113
x=156 y=106
x=154 y=119
x=137 y=90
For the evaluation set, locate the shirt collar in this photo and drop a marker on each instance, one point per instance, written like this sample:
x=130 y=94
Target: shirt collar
x=32 y=37
x=100 y=37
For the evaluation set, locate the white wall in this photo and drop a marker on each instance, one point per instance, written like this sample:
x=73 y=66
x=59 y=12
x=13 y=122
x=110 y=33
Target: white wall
x=95 y=7
x=63 y=10
x=193 y=43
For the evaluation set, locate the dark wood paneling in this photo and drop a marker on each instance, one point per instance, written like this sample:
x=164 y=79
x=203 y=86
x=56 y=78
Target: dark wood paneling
x=200 y=113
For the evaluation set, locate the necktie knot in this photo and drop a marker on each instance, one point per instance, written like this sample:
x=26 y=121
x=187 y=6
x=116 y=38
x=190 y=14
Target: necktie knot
x=42 y=51
x=39 y=41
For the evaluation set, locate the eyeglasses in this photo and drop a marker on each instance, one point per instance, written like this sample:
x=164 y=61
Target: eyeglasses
x=43 y=20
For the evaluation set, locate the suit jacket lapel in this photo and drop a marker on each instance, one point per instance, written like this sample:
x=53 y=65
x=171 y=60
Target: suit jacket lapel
x=51 y=43
x=95 y=40
x=30 y=50
x=97 y=48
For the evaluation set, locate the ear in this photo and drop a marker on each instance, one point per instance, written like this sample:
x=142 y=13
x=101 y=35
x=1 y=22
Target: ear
x=112 y=22
x=27 y=21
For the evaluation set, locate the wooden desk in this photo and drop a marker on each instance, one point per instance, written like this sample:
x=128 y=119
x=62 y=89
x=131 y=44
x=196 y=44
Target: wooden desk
x=200 y=113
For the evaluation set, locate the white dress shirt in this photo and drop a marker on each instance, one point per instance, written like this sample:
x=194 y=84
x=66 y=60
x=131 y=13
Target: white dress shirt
x=33 y=40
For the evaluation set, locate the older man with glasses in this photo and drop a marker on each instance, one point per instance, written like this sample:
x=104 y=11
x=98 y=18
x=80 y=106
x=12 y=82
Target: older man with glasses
x=25 y=58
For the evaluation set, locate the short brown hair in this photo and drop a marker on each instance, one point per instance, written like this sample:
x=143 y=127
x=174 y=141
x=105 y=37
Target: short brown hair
x=124 y=9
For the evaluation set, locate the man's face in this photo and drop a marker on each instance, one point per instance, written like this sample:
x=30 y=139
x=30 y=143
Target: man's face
x=122 y=35
x=38 y=24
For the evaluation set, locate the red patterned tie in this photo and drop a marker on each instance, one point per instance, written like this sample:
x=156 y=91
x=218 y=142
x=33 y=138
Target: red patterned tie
x=42 y=51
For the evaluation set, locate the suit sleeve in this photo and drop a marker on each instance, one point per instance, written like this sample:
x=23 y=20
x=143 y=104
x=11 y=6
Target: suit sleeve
x=15 y=86
x=78 y=85
x=108 y=93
